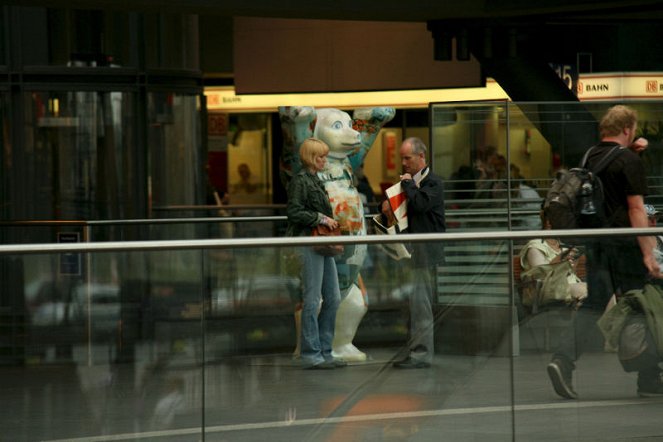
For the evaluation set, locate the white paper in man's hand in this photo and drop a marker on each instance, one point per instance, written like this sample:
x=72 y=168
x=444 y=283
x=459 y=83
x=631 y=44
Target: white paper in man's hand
x=396 y=251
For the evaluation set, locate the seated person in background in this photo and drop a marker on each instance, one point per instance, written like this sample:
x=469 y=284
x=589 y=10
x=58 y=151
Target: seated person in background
x=549 y=251
x=524 y=197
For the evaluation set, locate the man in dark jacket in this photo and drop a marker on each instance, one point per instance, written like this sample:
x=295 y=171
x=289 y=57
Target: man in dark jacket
x=425 y=214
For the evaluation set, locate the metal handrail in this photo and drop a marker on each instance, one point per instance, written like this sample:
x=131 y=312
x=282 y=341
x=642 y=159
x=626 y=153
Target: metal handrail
x=307 y=240
x=265 y=206
x=144 y=221
x=223 y=219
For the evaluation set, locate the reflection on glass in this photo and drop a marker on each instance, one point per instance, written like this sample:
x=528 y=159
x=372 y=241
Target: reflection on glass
x=133 y=341
x=145 y=342
x=79 y=145
x=174 y=344
x=249 y=165
x=500 y=158
x=174 y=149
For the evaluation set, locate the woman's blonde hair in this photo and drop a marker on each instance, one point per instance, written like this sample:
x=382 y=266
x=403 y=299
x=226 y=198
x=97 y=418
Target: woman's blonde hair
x=311 y=148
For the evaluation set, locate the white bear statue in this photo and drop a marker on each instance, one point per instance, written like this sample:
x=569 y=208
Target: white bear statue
x=349 y=140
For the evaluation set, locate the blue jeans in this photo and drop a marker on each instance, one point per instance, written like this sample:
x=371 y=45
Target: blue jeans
x=319 y=282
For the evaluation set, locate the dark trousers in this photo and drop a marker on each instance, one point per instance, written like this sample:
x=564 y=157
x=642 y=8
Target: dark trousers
x=422 y=323
x=613 y=267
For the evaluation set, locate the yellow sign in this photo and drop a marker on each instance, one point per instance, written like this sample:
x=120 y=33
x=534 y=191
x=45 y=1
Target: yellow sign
x=621 y=86
x=224 y=98
x=600 y=86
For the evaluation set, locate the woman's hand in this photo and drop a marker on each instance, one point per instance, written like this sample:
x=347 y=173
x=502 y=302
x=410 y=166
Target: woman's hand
x=566 y=255
x=329 y=222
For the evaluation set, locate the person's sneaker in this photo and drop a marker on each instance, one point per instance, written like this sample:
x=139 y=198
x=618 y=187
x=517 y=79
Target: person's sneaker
x=410 y=362
x=326 y=365
x=561 y=376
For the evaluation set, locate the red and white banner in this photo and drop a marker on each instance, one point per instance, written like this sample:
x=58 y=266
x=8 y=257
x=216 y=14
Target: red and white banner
x=398 y=203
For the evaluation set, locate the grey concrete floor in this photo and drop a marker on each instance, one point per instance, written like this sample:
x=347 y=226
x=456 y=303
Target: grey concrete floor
x=268 y=398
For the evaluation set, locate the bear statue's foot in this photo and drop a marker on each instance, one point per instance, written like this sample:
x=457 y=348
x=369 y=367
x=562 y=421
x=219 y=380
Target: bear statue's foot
x=350 y=312
x=349 y=353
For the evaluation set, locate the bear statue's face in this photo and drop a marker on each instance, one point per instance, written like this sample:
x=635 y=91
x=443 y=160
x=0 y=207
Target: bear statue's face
x=334 y=127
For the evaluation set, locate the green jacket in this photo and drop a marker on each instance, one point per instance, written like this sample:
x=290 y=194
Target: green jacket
x=650 y=300
x=308 y=203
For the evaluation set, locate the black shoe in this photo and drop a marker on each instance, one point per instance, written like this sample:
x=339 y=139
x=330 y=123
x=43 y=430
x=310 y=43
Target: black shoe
x=561 y=376
x=325 y=365
x=419 y=349
x=652 y=390
x=339 y=363
x=410 y=362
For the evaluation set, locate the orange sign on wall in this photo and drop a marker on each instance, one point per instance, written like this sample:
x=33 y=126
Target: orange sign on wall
x=389 y=149
x=217 y=124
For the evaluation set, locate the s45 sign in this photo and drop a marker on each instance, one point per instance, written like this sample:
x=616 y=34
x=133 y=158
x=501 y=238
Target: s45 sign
x=567 y=73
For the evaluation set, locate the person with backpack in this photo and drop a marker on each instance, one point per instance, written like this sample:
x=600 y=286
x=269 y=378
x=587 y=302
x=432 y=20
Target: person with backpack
x=614 y=265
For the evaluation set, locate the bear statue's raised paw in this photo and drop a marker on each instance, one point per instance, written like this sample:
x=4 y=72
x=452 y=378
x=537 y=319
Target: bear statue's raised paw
x=298 y=114
x=375 y=115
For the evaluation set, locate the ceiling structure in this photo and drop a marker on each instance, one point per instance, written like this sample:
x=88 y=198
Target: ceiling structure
x=513 y=40
x=389 y=10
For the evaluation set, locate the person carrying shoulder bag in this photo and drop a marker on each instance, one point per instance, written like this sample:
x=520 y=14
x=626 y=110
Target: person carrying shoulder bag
x=309 y=206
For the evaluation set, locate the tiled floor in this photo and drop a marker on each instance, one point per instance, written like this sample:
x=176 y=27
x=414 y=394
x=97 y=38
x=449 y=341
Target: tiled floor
x=267 y=398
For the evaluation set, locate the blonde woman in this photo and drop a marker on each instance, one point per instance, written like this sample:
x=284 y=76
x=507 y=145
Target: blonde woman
x=308 y=206
x=549 y=251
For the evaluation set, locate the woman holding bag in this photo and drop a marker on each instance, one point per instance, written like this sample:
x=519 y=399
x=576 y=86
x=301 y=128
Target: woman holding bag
x=540 y=252
x=308 y=206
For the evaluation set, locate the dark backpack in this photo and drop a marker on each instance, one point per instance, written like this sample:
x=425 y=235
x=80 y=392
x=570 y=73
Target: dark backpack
x=575 y=198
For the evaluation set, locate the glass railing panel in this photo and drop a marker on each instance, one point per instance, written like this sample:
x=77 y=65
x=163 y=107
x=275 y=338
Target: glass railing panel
x=172 y=343
x=499 y=158
x=468 y=150
x=80 y=128
x=251 y=337
x=605 y=378
x=200 y=344
x=103 y=344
